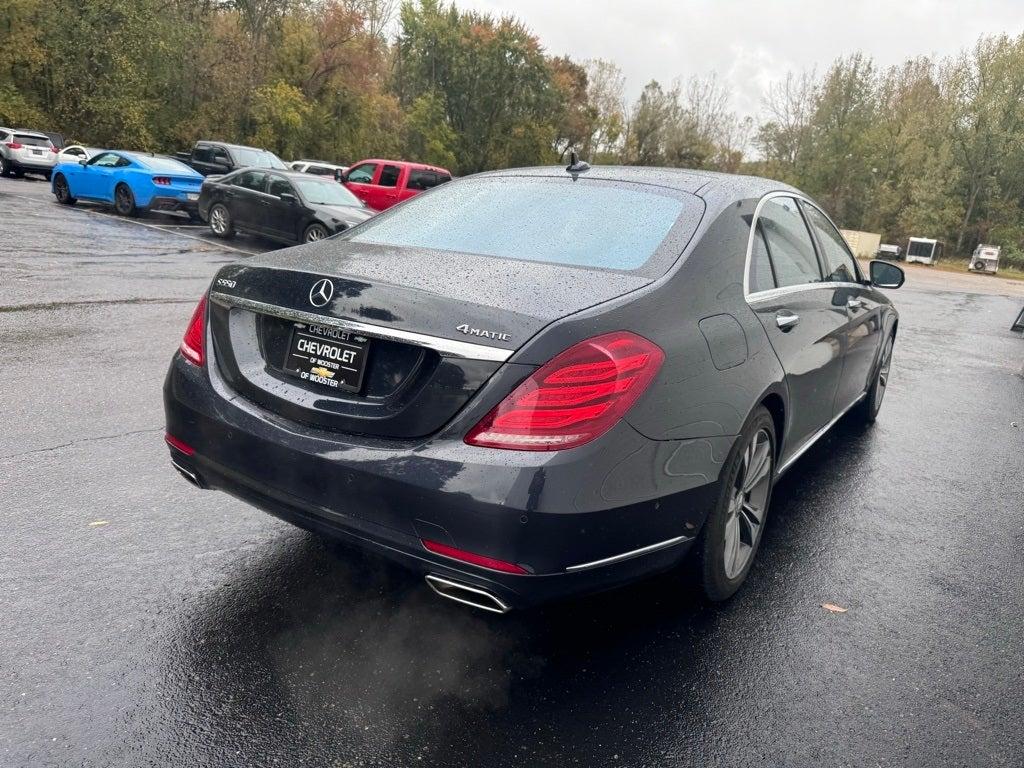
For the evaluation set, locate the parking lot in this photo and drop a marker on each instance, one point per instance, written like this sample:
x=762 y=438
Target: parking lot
x=149 y=623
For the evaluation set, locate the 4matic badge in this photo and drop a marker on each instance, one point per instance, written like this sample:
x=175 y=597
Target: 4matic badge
x=464 y=328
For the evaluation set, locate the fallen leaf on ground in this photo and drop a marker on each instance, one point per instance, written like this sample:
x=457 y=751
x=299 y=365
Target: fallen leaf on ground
x=834 y=608
x=96 y=523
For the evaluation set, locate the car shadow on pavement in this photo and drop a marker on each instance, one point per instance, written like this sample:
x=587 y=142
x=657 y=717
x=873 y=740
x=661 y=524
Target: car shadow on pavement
x=335 y=652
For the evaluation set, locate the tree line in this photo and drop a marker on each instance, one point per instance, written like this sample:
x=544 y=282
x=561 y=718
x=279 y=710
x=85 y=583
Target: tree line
x=933 y=147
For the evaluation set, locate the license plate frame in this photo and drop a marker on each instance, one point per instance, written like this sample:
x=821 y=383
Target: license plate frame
x=329 y=357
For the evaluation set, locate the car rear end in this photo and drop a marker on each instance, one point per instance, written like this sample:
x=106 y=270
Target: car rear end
x=30 y=153
x=390 y=388
x=168 y=186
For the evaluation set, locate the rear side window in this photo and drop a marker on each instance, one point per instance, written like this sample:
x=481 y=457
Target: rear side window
x=762 y=276
x=606 y=225
x=839 y=262
x=362 y=174
x=790 y=247
x=421 y=179
x=389 y=176
x=202 y=154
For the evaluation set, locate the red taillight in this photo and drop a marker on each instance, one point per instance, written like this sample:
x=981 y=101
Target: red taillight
x=178 y=445
x=14 y=145
x=576 y=397
x=162 y=181
x=473 y=559
x=192 y=344
x=54 y=150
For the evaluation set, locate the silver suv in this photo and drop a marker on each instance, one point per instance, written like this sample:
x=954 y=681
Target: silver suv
x=24 y=152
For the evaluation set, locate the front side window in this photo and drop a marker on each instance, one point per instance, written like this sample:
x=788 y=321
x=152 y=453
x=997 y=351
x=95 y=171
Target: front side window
x=593 y=224
x=279 y=186
x=106 y=160
x=789 y=243
x=389 y=176
x=220 y=156
x=253 y=180
x=362 y=174
x=840 y=265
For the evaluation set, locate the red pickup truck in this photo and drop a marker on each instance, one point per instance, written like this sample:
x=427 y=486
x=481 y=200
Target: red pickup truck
x=382 y=183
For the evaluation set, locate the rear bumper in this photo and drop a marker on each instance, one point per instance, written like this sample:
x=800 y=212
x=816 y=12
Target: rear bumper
x=567 y=520
x=35 y=165
x=166 y=204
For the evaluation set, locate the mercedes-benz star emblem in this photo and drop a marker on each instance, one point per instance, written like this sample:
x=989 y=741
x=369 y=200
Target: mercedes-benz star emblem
x=321 y=292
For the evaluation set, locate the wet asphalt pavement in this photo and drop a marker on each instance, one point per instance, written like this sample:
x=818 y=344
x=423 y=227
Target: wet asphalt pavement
x=145 y=622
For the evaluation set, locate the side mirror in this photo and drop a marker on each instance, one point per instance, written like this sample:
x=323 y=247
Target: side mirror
x=340 y=176
x=288 y=197
x=84 y=161
x=886 y=275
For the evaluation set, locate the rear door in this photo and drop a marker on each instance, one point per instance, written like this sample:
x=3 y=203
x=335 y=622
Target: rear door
x=386 y=191
x=245 y=197
x=785 y=287
x=863 y=329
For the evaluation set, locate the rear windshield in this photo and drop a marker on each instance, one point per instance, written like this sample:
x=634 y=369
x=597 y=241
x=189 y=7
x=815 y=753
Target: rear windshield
x=588 y=223
x=32 y=141
x=254 y=158
x=918 y=248
x=165 y=164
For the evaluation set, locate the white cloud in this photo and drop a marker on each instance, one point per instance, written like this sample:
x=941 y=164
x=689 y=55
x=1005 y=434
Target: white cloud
x=749 y=44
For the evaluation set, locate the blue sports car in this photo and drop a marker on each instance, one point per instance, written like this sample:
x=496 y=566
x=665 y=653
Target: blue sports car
x=132 y=181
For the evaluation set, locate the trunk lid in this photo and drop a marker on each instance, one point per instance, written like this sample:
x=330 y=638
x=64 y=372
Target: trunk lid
x=438 y=326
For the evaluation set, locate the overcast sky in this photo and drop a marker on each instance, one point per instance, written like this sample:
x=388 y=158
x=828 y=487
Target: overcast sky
x=749 y=44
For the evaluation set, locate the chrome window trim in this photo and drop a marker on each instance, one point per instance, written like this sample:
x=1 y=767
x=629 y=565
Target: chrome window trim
x=786 y=289
x=446 y=347
x=632 y=553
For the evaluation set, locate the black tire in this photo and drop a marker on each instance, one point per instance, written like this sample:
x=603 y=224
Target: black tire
x=5 y=167
x=48 y=175
x=869 y=407
x=719 y=572
x=124 y=201
x=17 y=173
x=62 y=191
x=220 y=221
x=314 y=233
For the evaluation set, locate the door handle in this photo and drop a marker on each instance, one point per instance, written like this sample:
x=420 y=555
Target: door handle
x=854 y=304
x=786 y=320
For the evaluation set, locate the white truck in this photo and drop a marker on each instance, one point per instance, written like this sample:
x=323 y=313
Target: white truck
x=985 y=259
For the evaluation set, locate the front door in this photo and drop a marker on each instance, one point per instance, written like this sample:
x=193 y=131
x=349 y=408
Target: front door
x=282 y=216
x=863 y=330
x=360 y=179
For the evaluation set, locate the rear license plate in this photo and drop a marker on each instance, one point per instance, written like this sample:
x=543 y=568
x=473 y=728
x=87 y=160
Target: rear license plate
x=193 y=196
x=330 y=357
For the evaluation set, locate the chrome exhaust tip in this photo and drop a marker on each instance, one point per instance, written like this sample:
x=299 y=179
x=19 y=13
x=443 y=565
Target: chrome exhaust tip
x=188 y=475
x=467 y=595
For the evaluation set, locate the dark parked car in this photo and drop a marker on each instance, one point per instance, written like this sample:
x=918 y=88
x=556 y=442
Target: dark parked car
x=289 y=206
x=526 y=386
x=217 y=158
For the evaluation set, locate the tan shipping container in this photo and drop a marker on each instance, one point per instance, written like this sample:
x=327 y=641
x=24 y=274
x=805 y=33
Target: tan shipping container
x=863 y=244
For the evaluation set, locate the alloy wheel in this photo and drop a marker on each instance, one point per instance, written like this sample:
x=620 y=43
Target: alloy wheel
x=315 y=233
x=62 y=190
x=749 y=504
x=218 y=220
x=124 y=202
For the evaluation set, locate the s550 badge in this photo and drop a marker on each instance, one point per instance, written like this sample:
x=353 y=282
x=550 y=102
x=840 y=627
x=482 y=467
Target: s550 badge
x=482 y=333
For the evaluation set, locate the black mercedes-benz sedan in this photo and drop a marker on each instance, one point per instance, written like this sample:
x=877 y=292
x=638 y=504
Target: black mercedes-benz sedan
x=286 y=206
x=533 y=383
